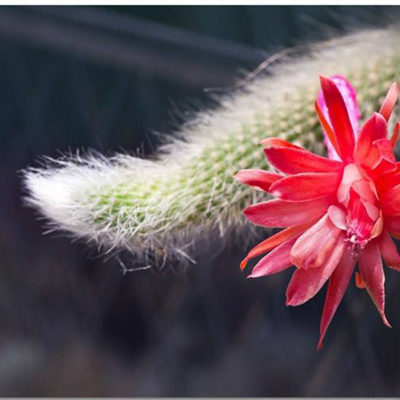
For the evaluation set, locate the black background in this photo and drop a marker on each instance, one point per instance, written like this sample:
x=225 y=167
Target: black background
x=71 y=322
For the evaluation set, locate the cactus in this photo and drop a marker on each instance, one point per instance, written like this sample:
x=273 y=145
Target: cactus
x=173 y=205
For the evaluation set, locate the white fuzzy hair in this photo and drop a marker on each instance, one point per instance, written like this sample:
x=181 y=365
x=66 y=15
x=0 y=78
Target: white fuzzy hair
x=186 y=198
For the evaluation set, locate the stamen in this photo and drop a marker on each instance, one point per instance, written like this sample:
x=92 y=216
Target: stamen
x=356 y=243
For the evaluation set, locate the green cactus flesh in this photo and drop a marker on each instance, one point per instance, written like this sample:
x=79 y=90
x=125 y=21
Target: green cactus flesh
x=181 y=198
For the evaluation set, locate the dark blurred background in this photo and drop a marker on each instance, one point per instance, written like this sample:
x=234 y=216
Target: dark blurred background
x=72 y=323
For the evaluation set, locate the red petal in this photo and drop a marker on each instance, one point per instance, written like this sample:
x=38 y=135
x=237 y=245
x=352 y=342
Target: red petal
x=281 y=213
x=277 y=142
x=337 y=287
x=326 y=127
x=273 y=241
x=294 y=161
x=371 y=270
x=315 y=245
x=380 y=149
x=392 y=224
x=387 y=181
x=275 y=261
x=389 y=102
x=396 y=235
x=305 y=284
x=390 y=201
x=339 y=118
x=389 y=251
x=312 y=185
x=359 y=281
x=395 y=135
x=257 y=178
x=385 y=162
x=373 y=129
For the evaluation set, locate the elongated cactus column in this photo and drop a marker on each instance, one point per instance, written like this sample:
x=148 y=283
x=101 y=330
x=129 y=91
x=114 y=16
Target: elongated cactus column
x=178 y=203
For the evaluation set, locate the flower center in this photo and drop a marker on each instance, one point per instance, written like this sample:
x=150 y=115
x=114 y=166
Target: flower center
x=356 y=193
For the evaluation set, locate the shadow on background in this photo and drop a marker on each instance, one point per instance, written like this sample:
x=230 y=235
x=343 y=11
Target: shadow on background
x=72 y=323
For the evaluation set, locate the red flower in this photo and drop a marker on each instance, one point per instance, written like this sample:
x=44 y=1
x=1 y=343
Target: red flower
x=336 y=211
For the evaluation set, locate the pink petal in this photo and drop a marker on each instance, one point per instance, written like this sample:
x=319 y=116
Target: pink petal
x=349 y=96
x=351 y=174
x=305 y=284
x=338 y=217
x=339 y=118
x=389 y=251
x=366 y=190
x=378 y=227
x=372 y=274
x=314 y=246
x=273 y=241
x=257 y=178
x=294 y=161
x=338 y=283
x=281 y=213
x=275 y=261
x=312 y=184
x=389 y=102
